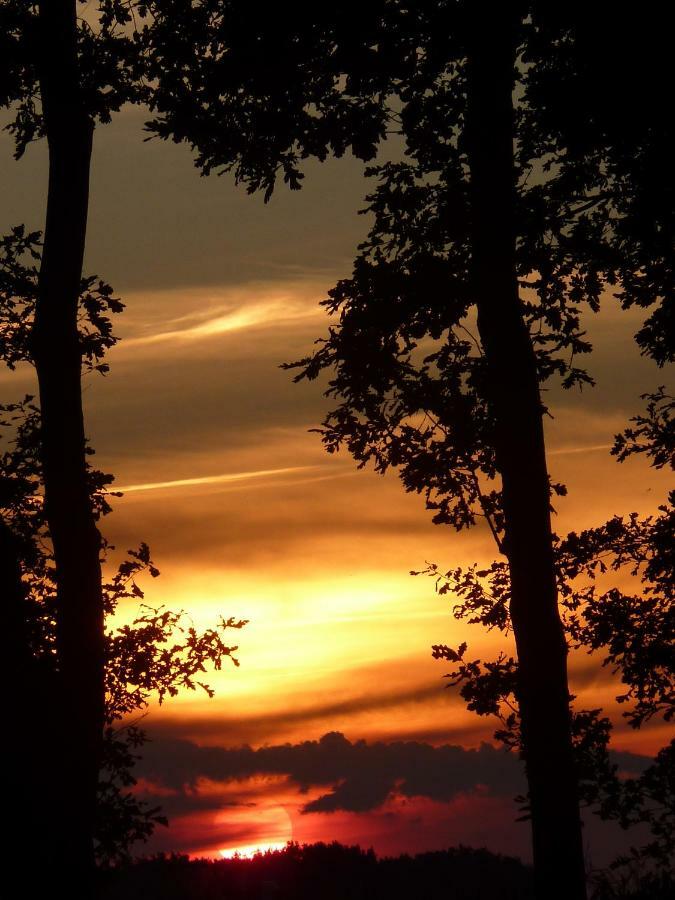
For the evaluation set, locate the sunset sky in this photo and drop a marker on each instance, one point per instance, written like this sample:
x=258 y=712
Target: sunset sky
x=337 y=724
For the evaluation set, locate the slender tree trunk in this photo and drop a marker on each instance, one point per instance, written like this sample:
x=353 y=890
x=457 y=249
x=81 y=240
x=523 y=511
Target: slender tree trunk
x=543 y=693
x=57 y=356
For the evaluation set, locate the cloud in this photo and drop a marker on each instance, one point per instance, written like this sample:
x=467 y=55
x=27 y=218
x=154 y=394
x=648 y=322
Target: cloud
x=272 y=518
x=226 y=478
x=399 y=796
x=361 y=776
x=260 y=726
x=589 y=448
x=280 y=310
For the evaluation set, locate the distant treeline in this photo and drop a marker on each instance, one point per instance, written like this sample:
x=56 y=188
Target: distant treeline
x=324 y=872
x=337 y=872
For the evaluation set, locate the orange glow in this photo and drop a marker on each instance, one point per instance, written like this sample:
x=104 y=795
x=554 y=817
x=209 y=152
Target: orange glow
x=317 y=555
x=248 y=851
x=247 y=516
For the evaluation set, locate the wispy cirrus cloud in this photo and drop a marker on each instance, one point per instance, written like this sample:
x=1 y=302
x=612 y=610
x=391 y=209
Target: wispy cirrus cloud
x=588 y=448
x=225 y=478
x=224 y=318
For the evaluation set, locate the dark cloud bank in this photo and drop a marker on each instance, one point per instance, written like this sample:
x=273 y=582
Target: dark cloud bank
x=359 y=776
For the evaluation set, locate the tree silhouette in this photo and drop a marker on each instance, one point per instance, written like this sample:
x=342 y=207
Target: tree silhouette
x=335 y=871
x=157 y=654
x=633 y=633
x=61 y=75
x=332 y=871
x=458 y=225
x=497 y=221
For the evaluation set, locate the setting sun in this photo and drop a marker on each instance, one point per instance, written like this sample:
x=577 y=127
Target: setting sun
x=248 y=851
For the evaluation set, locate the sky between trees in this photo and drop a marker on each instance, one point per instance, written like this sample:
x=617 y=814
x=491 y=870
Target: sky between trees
x=219 y=291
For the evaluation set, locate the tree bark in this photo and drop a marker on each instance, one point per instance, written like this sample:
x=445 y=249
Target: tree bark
x=513 y=385
x=57 y=355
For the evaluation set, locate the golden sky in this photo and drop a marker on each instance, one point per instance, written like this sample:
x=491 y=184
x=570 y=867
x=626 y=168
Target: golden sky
x=246 y=516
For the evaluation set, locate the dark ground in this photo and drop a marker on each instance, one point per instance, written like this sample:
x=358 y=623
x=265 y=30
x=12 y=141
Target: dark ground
x=335 y=872
x=324 y=872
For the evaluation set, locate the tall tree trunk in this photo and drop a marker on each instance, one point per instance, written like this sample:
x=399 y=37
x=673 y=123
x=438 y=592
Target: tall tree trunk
x=543 y=694
x=57 y=356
